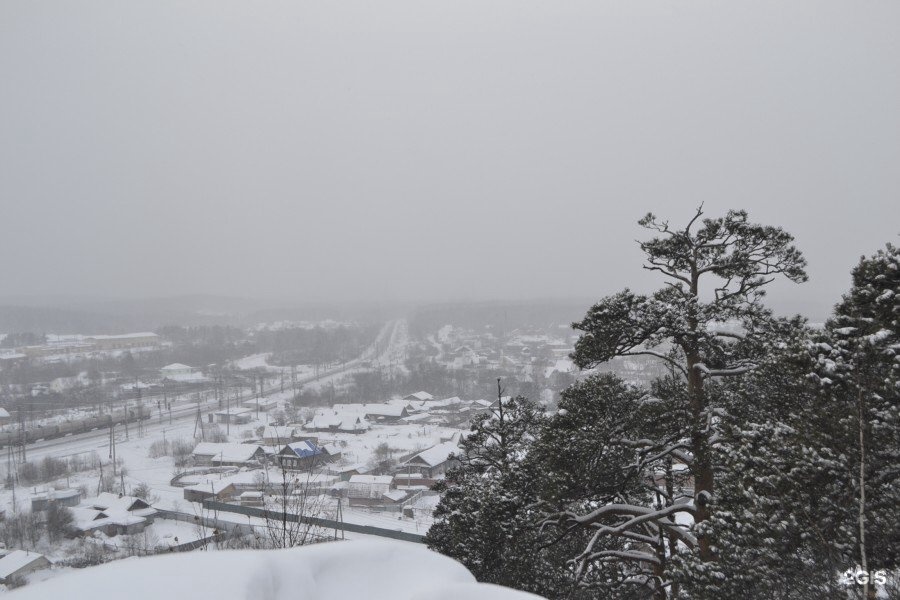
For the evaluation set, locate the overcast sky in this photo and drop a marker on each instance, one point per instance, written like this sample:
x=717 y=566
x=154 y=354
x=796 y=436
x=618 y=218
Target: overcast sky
x=417 y=150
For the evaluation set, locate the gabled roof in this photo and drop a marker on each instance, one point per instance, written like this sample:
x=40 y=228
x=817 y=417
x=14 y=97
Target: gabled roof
x=175 y=367
x=395 y=495
x=212 y=487
x=339 y=422
x=111 y=509
x=435 y=455
x=421 y=396
x=331 y=449
x=109 y=502
x=17 y=559
x=227 y=452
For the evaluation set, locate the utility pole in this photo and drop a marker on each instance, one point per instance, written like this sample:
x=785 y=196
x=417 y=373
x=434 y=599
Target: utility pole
x=140 y=411
x=112 y=447
x=340 y=519
x=126 y=418
x=198 y=424
x=12 y=474
x=228 y=417
x=22 y=431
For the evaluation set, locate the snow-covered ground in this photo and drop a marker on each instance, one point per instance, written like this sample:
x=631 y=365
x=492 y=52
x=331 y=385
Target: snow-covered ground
x=348 y=570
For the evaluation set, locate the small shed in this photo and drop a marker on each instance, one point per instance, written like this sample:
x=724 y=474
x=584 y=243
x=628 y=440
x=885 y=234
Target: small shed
x=368 y=490
x=235 y=416
x=251 y=499
x=43 y=500
x=21 y=562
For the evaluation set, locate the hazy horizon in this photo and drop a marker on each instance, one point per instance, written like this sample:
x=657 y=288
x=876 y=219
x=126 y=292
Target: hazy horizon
x=424 y=152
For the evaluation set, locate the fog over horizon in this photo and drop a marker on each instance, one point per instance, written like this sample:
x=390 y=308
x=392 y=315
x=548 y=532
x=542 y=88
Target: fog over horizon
x=421 y=152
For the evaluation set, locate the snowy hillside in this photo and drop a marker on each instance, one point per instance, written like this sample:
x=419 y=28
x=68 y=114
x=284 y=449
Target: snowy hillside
x=358 y=570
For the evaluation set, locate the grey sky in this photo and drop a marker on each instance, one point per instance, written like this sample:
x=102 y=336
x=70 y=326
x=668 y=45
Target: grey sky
x=432 y=150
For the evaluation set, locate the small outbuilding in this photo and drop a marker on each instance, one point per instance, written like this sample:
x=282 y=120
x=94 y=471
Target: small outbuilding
x=19 y=563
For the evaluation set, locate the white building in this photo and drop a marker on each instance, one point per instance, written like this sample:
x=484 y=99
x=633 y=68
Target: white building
x=180 y=372
x=369 y=486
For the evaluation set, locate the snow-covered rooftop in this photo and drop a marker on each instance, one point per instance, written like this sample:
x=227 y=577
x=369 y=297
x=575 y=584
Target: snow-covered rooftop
x=15 y=560
x=226 y=452
x=436 y=454
x=123 y=336
x=176 y=367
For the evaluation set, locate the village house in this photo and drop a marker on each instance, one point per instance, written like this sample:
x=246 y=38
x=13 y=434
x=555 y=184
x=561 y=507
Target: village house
x=228 y=454
x=338 y=423
x=379 y=413
x=301 y=455
x=113 y=514
x=222 y=491
x=431 y=463
x=419 y=396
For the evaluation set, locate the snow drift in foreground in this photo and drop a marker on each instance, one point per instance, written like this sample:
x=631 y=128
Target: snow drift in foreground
x=351 y=570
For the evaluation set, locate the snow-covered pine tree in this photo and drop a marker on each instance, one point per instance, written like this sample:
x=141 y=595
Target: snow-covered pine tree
x=487 y=518
x=707 y=323
x=589 y=464
x=779 y=485
x=858 y=369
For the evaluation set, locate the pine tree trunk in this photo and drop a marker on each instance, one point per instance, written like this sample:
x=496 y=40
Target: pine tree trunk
x=702 y=468
x=868 y=591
